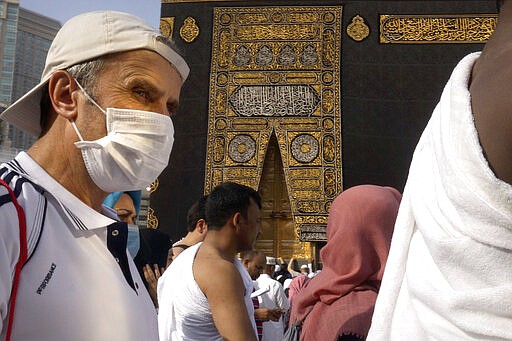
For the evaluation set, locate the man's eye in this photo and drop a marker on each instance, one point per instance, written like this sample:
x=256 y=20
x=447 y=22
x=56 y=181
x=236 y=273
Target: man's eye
x=141 y=93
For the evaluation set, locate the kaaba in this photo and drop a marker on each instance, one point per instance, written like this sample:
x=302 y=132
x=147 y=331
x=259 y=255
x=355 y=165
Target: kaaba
x=303 y=99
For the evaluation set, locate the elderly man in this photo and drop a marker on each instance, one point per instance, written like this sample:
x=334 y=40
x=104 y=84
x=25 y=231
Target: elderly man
x=102 y=113
x=265 y=311
x=205 y=294
x=273 y=298
x=449 y=274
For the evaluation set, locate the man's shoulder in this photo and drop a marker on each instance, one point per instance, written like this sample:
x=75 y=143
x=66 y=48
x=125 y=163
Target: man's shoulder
x=18 y=188
x=182 y=262
x=267 y=280
x=10 y=219
x=214 y=264
x=213 y=272
x=274 y=283
x=20 y=200
x=19 y=181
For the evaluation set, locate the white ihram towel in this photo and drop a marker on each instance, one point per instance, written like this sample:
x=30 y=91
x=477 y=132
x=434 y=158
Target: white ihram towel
x=449 y=272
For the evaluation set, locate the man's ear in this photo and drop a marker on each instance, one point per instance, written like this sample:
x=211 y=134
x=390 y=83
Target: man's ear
x=201 y=226
x=236 y=219
x=62 y=90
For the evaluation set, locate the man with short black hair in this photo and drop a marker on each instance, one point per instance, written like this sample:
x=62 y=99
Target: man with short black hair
x=211 y=300
x=102 y=113
x=196 y=226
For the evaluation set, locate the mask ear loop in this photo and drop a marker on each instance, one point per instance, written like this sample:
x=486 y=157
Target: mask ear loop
x=90 y=99
x=76 y=130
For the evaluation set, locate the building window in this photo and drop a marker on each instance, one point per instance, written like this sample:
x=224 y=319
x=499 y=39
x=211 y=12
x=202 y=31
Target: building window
x=12 y=11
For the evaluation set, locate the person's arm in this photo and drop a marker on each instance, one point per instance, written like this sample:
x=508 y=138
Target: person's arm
x=280 y=297
x=290 y=268
x=222 y=285
x=495 y=135
x=310 y=264
x=267 y=314
x=491 y=100
x=170 y=258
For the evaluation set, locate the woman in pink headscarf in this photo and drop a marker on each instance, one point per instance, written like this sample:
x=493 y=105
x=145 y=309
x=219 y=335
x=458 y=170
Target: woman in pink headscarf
x=296 y=285
x=341 y=298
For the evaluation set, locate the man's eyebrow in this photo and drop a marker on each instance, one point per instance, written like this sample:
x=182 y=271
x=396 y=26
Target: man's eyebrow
x=147 y=85
x=124 y=210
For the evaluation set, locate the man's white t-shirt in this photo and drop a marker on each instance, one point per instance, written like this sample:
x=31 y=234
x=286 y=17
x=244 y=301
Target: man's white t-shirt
x=79 y=283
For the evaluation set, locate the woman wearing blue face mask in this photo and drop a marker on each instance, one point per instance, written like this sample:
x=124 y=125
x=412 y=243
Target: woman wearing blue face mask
x=146 y=246
x=127 y=206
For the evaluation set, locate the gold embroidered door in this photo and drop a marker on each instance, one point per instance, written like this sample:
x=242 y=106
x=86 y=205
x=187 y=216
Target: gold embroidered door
x=275 y=74
x=278 y=236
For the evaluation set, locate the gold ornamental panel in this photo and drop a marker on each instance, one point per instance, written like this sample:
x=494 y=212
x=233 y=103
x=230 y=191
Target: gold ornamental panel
x=256 y=124
x=358 y=29
x=167 y=26
x=311 y=124
x=276 y=71
x=305 y=173
x=189 y=31
x=242 y=149
x=305 y=148
x=152 y=219
x=435 y=29
x=154 y=185
x=241 y=78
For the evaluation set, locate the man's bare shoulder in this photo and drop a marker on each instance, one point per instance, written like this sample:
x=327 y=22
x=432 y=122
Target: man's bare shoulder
x=491 y=102
x=221 y=283
x=213 y=272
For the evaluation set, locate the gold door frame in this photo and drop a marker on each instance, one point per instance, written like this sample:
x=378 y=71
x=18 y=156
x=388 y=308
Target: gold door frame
x=276 y=70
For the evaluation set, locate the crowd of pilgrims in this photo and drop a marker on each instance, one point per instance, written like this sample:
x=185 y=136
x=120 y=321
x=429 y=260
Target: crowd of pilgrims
x=332 y=297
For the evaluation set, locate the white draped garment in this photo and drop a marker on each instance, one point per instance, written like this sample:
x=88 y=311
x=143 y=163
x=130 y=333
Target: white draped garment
x=449 y=271
x=184 y=312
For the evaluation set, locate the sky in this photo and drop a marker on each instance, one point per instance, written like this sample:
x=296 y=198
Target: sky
x=62 y=10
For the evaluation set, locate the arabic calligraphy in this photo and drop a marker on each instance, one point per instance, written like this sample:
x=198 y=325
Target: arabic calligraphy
x=286 y=100
x=436 y=29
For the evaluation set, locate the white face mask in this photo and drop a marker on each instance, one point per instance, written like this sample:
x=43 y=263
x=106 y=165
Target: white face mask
x=134 y=152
